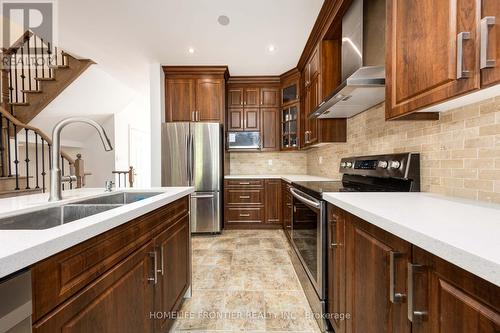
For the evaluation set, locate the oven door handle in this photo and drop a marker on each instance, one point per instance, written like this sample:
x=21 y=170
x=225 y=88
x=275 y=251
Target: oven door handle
x=310 y=202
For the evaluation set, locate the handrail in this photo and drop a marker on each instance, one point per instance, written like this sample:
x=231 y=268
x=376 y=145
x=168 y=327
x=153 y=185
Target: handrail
x=18 y=43
x=44 y=136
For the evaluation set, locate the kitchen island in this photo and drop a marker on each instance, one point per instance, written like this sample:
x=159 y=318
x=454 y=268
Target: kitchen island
x=109 y=271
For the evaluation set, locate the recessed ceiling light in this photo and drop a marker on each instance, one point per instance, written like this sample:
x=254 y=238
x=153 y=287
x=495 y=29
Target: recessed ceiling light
x=271 y=48
x=191 y=50
x=223 y=20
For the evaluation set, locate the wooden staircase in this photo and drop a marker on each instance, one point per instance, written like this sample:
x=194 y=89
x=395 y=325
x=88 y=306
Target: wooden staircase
x=33 y=73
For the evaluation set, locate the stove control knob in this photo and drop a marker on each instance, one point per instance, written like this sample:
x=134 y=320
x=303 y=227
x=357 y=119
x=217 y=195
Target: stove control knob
x=349 y=165
x=383 y=164
x=395 y=165
x=343 y=165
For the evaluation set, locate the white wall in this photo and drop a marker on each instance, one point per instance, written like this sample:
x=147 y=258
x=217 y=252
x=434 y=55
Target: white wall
x=157 y=103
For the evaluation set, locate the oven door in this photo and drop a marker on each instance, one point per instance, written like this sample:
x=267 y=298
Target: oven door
x=309 y=237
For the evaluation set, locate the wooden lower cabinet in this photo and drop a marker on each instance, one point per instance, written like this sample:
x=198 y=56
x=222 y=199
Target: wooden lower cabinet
x=119 y=301
x=252 y=204
x=116 y=281
x=286 y=207
x=385 y=284
x=452 y=299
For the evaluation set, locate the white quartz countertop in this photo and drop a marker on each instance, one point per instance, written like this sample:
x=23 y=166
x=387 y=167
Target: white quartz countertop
x=287 y=178
x=22 y=248
x=463 y=232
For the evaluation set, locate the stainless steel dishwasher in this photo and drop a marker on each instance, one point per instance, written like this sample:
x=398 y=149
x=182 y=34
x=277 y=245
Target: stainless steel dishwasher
x=15 y=305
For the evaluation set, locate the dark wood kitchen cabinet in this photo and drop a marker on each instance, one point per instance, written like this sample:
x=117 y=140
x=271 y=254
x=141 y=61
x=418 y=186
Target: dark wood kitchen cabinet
x=451 y=299
x=273 y=200
x=270 y=131
x=195 y=93
x=490 y=74
x=386 y=284
x=286 y=207
x=371 y=257
x=432 y=53
x=270 y=97
x=252 y=204
x=114 y=281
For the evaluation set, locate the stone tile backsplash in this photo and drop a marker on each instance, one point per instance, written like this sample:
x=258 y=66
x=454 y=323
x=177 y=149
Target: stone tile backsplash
x=291 y=163
x=460 y=153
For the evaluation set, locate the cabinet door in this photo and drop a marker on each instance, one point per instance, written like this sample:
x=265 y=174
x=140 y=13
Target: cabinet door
x=251 y=119
x=235 y=119
x=423 y=39
x=269 y=97
x=273 y=201
x=287 y=209
x=235 y=97
x=490 y=49
x=210 y=100
x=180 y=100
x=121 y=300
x=270 y=129
x=174 y=270
x=368 y=279
x=453 y=299
x=336 y=269
x=314 y=100
x=251 y=97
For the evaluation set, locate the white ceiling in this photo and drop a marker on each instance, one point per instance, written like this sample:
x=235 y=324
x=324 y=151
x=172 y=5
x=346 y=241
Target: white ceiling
x=124 y=36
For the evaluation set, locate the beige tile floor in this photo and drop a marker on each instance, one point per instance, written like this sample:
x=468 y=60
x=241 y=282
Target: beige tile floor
x=244 y=281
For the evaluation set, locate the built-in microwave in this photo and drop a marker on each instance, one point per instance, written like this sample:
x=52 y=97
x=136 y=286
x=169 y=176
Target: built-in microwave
x=243 y=140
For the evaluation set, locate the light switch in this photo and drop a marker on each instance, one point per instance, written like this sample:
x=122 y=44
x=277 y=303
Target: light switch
x=269 y=162
x=320 y=160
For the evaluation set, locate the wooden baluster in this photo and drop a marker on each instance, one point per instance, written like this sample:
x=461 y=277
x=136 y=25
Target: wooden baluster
x=79 y=171
x=36 y=161
x=131 y=176
x=27 y=160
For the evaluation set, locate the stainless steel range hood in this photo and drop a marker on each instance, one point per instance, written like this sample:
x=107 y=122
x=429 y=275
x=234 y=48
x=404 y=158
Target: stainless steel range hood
x=363 y=57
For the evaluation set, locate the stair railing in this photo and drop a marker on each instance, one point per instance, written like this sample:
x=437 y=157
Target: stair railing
x=127 y=175
x=27 y=62
x=25 y=155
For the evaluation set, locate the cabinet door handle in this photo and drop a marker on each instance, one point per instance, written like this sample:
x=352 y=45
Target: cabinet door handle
x=197 y=114
x=461 y=72
x=245 y=183
x=244 y=197
x=414 y=315
x=244 y=215
x=486 y=23
x=193 y=117
x=154 y=279
x=162 y=262
x=394 y=296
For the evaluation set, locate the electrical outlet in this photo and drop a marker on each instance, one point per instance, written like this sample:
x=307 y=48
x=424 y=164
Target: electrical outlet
x=269 y=162
x=320 y=160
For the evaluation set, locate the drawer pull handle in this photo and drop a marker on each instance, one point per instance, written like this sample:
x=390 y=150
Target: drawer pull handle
x=394 y=296
x=244 y=197
x=244 y=215
x=247 y=183
x=414 y=315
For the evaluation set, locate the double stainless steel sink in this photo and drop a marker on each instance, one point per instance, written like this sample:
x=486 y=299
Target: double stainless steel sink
x=55 y=216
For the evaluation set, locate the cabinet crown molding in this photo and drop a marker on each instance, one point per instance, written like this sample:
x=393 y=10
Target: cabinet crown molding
x=195 y=70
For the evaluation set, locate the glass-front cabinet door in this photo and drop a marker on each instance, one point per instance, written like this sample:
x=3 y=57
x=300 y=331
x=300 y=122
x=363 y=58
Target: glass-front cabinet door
x=289 y=127
x=290 y=93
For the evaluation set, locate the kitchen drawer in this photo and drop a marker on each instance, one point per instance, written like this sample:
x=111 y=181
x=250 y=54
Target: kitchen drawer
x=244 y=214
x=244 y=197
x=246 y=183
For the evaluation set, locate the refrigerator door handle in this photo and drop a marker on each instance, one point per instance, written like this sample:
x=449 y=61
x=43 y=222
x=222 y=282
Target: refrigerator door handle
x=188 y=147
x=202 y=196
x=191 y=160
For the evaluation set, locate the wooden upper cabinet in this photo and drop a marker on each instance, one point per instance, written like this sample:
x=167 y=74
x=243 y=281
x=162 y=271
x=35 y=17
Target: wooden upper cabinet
x=269 y=97
x=210 y=100
x=432 y=53
x=235 y=97
x=180 y=100
x=453 y=299
x=235 y=119
x=270 y=131
x=251 y=97
x=311 y=125
x=490 y=50
x=251 y=121
x=196 y=93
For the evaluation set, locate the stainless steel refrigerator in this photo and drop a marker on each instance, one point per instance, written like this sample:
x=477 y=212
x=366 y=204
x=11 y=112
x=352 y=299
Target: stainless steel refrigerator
x=192 y=155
